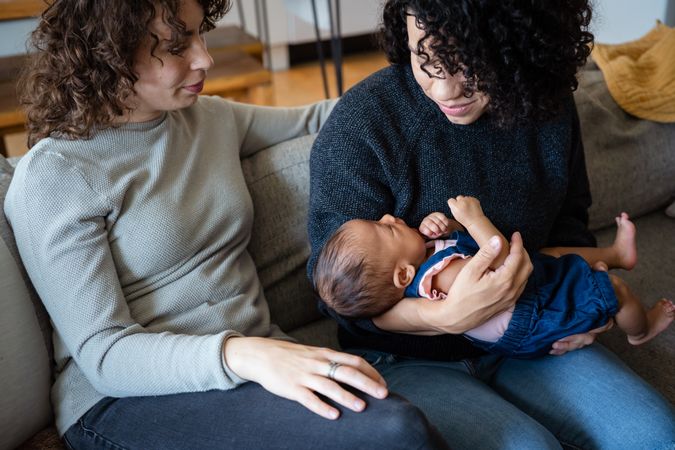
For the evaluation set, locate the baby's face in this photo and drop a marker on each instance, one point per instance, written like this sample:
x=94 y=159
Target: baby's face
x=393 y=240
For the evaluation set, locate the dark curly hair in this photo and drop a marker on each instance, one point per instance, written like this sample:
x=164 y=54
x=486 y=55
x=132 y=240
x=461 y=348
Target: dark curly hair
x=524 y=54
x=81 y=68
x=352 y=281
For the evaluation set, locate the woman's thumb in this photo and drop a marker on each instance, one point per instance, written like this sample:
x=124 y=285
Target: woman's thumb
x=482 y=260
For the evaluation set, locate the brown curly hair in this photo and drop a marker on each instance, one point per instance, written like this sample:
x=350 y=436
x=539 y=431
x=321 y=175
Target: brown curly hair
x=81 y=68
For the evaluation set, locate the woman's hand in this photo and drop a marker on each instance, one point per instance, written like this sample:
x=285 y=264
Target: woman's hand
x=299 y=372
x=577 y=341
x=476 y=295
x=479 y=293
x=438 y=224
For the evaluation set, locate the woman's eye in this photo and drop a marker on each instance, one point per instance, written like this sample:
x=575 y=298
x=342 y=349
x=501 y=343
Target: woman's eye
x=175 y=48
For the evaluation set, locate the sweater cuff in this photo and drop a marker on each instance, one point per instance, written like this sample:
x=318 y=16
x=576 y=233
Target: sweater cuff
x=229 y=373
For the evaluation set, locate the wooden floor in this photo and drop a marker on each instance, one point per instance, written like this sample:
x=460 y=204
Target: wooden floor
x=300 y=85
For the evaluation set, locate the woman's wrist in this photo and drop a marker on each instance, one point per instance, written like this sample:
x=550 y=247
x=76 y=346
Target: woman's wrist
x=410 y=316
x=437 y=317
x=236 y=355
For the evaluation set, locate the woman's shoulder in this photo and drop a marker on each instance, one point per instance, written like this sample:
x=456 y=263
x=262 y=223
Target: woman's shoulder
x=45 y=154
x=385 y=100
x=392 y=85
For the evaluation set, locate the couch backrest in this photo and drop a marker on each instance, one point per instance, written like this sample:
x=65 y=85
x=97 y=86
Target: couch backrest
x=630 y=162
x=278 y=179
x=25 y=342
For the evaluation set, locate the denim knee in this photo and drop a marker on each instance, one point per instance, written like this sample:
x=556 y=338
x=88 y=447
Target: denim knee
x=404 y=426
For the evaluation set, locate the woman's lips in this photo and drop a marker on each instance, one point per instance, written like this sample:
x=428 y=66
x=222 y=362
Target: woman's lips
x=195 y=88
x=456 y=110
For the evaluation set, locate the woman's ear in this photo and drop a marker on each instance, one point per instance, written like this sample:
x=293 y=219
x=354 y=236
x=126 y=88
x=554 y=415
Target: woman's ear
x=403 y=275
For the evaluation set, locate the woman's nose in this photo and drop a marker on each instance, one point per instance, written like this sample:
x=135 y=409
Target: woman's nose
x=448 y=88
x=200 y=58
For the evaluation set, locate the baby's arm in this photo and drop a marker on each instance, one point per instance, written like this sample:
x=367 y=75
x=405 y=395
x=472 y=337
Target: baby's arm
x=437 y=225
x=468 y=212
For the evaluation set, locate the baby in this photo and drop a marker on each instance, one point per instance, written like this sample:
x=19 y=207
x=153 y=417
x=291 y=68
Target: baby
x=368 y=266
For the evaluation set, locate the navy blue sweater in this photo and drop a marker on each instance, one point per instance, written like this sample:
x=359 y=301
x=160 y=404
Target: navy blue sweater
x=387 y=148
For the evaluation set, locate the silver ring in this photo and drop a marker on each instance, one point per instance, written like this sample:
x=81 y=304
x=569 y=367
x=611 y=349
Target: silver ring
x=332 y=367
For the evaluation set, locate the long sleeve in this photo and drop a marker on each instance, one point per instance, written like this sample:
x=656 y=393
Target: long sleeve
x=347 y=182
x=63 y=241
x=261 y=126
x=571 y=225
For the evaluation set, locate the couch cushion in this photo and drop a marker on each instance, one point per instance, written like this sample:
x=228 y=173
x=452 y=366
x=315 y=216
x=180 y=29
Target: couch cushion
x=7 y=236
x=278 y=179
x=25 y=342
x=25 y=368
x=630 y=161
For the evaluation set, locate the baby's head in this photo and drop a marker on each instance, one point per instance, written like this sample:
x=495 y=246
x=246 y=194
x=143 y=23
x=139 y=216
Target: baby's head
x=364 y=268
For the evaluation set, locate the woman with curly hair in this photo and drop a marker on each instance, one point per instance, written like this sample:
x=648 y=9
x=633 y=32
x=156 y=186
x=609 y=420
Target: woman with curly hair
x=478 y=101
x=132 y=218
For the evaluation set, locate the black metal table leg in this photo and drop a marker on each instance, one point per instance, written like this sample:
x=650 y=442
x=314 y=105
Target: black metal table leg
x=319 y=50
x=336 y=42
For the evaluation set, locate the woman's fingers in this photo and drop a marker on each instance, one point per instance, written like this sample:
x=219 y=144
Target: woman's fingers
x=356 y=378
x=481 y=261
x=573 y=342
x=517 y=265
x=311 y=401
x=332 y=390
x=341 y=368
x=577 y=341
x=358 y=363
x=299 y=372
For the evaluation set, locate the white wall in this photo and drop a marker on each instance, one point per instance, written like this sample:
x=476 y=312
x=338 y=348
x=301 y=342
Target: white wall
x=616 y=21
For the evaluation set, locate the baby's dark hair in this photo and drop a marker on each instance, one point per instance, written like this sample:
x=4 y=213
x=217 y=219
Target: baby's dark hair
x=523 y=54
x=350 y=280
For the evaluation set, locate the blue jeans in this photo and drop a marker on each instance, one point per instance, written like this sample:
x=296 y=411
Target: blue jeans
x=247 y=417
x=586 y=399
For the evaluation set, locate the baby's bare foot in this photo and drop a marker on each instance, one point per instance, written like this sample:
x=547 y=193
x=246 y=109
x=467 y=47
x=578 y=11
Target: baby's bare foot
x=658 y=319
x=625 y=242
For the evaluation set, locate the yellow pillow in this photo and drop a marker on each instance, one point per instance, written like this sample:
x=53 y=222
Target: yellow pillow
x=640 y=74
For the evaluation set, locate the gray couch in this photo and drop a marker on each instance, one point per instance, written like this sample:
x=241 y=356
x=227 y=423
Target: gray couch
x=631 y=165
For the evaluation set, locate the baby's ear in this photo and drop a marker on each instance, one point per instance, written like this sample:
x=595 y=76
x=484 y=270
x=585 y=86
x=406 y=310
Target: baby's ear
x=403 y=275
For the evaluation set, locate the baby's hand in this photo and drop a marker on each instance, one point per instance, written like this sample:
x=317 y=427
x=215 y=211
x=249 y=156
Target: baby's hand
x=465 y=209
x=438 y=224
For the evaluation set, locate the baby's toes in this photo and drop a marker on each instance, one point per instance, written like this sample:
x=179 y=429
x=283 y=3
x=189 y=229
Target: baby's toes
x=668 y=306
